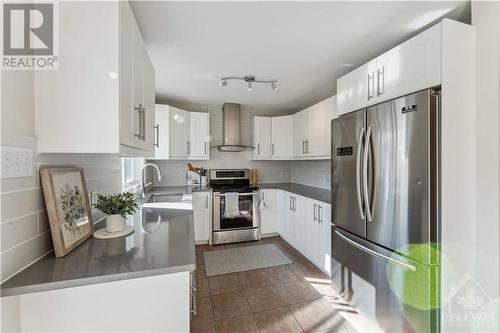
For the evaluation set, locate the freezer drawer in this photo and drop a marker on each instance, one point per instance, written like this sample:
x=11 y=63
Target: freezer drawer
x=397 y=294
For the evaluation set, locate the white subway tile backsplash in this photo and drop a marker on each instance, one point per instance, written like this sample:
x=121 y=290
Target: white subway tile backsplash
x=24 y=254
x=24 y=223
x=19 y=230
x=312 y=173
x=21 y=203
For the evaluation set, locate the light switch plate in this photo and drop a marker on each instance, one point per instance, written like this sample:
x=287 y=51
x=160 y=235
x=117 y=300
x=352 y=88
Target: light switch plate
x=16 y=162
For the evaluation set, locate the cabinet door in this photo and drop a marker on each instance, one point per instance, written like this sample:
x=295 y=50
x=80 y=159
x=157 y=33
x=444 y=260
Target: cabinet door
x=202 y=216
x=269 y=213
x=325 y=240
x=356 y=89
x=311 y=221
x=126 y=75
x=299 y=224
x=288 y=223
x=262 y=137
x=138 y=86
x=282 y=137
x=300 y=132
x=148 y=101
x=198 y=135
x=179 y=133
x=319 y=128
x=280 y=211
x=411 y=66
x=161 y=135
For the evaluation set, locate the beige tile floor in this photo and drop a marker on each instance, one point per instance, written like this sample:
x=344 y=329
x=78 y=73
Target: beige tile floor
x=288 y=298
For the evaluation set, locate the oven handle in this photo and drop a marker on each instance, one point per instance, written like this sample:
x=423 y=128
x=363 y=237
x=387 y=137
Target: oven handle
x=239 y=194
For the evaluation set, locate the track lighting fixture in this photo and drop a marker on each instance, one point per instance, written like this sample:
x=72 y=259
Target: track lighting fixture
x=249 y=79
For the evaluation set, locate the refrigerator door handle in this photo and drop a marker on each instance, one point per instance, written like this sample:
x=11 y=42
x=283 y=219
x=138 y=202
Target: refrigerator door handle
x=358 y=173
x=365 y=174
x=389 y=260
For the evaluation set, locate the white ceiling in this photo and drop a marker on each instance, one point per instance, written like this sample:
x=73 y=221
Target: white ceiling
x=304 y=45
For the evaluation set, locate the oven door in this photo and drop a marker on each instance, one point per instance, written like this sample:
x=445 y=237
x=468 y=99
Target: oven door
x=247 y=217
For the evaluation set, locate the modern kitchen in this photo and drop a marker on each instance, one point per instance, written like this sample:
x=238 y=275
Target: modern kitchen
x=253 y=166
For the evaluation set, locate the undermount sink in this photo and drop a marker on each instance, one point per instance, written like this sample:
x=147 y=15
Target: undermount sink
x=174 y=197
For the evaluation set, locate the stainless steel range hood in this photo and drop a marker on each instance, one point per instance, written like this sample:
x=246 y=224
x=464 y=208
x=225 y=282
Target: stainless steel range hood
x=231 y=129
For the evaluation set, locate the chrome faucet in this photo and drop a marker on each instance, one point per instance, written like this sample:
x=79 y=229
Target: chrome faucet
x=160 y=177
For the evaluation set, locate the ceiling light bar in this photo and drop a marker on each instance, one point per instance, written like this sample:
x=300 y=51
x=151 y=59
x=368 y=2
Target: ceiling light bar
x=249 y=79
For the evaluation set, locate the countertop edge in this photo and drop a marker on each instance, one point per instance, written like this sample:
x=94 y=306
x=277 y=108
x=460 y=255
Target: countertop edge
x=288 y=187
x=63 y=284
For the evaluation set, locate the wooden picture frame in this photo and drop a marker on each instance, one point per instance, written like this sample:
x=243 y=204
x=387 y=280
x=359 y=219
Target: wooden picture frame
x=68 y=208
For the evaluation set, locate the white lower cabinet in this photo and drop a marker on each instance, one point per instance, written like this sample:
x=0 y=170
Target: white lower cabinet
x=202 y=216
x=304 y=223
x=270 y=219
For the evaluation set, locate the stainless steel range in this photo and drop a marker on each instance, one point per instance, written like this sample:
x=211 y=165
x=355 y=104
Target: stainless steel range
x=235 y=207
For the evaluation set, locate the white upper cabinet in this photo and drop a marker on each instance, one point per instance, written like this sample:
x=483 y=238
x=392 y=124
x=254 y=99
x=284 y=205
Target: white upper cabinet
x=281 y=140
x=320 y=117
x=300 y=132
x=179 y=133
x=162 y=132
x=188 y=135
x=356 y=89
x=311 y=130
x=102 y=95
x=411 y=66
x=198 y=136
x=262 y=137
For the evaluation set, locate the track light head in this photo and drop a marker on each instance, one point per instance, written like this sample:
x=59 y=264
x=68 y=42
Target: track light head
x=274 y=86
x=223 y=83
x=249 y=86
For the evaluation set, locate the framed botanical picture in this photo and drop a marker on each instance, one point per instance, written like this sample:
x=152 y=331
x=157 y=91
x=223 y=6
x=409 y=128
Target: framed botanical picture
x=68 y=207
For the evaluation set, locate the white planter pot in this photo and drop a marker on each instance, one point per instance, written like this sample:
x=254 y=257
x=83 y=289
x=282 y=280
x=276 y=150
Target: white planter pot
x=115 y=223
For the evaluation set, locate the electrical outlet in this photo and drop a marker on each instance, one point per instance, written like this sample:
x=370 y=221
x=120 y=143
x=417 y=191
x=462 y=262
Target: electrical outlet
x=17 y=162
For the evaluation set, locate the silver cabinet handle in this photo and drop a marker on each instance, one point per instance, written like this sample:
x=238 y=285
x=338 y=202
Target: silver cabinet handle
x=303 y=147
x=206 y=144
x=320 y=214
x=294 y=204
x=206 y=201
x=314 y=212
x=291 y=198
x=307 y=146
x=365 y=174
x=194 y=309
x=139 y=113
x=157 y=127
x=272 y=148
x=372 y=79
x=376 y=254
x=258 y=149
x=143 y=123
x=358 y=173
x=380 y=72
x=187 y=144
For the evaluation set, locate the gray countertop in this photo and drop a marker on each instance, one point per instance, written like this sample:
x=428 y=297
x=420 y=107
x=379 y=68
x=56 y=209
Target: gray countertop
x=162 y=242
x=315 y=193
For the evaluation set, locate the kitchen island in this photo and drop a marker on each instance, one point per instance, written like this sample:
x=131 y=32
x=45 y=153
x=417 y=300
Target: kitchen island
x=90 y=289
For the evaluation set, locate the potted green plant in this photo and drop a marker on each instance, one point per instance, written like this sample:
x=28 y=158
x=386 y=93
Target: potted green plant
x=116 y=207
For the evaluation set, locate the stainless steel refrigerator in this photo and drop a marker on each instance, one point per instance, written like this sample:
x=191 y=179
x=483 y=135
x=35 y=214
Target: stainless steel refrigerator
x=385 y=211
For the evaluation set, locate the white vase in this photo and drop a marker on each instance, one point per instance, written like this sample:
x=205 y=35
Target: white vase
x=115 y=223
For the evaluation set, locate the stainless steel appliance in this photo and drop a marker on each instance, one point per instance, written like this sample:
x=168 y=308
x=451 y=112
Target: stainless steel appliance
x=385 y=206
x=243 y=226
